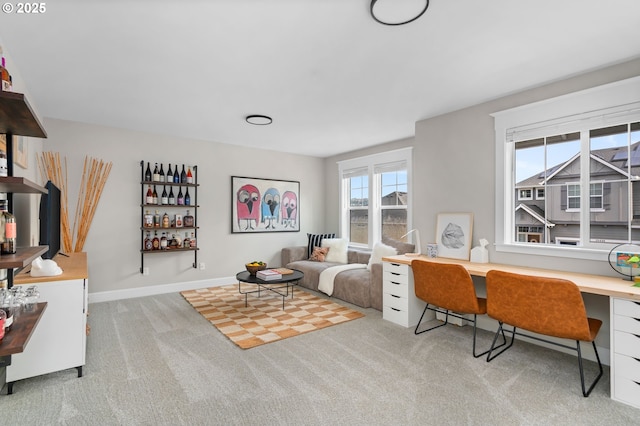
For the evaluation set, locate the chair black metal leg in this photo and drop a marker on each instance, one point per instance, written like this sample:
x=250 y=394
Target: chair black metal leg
x=495 y=338
x=504 y=340
x=586 y=393
x=426 y=308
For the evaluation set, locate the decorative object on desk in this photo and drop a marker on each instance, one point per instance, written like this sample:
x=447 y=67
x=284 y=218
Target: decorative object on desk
x=255 y=266
x=480 y=254
x=264 y=320
x=432 y=250
x=45 y=268
x=264 y=205
x=94 y=177
x=416 y=242
x=453 y=231
x=625 y=260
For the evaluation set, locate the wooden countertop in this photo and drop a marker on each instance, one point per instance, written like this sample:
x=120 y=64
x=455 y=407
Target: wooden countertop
x=73 y=267
x=594 y=284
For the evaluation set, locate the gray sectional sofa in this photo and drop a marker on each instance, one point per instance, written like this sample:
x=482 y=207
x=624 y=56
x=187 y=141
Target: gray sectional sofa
x=361 y=287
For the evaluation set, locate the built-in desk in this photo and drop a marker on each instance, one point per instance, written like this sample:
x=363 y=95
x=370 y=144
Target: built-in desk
x=624 y=303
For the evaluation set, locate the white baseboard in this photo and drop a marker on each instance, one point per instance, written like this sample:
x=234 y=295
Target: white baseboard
x=130 y=293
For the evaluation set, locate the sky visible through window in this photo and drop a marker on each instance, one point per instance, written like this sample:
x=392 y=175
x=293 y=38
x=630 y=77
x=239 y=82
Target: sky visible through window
x=530 y=161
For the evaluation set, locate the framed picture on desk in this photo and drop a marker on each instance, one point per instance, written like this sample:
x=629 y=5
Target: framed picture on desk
x=453 y=235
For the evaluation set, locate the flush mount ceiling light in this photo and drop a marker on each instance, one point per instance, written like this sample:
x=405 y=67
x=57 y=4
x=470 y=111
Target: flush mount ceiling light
x=259 y=120
x=397 y=12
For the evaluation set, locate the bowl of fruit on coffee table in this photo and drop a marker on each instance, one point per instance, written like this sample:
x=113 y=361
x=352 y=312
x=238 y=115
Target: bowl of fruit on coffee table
x=256 y=266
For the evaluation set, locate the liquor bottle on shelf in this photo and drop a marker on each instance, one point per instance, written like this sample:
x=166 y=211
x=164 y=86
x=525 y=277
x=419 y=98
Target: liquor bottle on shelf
x=156 y=174
x=176 y=175
x=156 y=220
x=8 y=230
x=172 y=198
x=164 y=200
x=147 y=173
x=163 y=241
x=149 y=198
x=183 y=175
x=155 y=243
x=6 y=306
x=155 y=195
x=148 y=243
x=180 y=197
x=189 y=176
x=6 y=84
x=178 y=221
x=165 y=220
x=188 y=220
x=187 y=198
x=148 y=220
x=3 y=317
x=162 y=176
x=3 y=164
x=192 y=240
x=169 y=178
x=186 y=243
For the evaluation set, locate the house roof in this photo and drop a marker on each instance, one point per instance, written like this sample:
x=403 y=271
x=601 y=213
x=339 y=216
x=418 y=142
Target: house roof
x=616 y=159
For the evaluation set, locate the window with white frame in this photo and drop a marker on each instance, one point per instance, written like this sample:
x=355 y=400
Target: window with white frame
x=582 y=143
x=375 y=197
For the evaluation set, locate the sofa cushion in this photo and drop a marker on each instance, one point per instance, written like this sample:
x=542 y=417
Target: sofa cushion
x=379 y=251
x=315 y=240
x=354 y=286
x=311 y=272
x=402 y=247
x=337 y=249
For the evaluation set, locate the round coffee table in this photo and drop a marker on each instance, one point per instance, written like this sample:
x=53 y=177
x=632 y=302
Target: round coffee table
x=287 y=282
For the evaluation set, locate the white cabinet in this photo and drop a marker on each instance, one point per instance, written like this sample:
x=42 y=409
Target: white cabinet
x=59 y=341
x=399 y=302
x=625 y=351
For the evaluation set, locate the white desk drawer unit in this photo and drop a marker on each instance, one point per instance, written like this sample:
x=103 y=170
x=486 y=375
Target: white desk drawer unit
x=625 y=347
x=399 y=302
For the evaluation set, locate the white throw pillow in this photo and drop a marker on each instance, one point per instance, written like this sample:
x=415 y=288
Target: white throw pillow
x=337 y=249
x=379 y=251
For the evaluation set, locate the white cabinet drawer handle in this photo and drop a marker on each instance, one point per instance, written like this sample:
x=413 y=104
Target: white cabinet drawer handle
x=394 y=309
x=394 y=273
x=395 y=264
x=393 y=295
x=393 y=282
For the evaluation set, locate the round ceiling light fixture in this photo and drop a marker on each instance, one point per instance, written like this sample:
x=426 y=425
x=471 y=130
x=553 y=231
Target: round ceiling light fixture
x=258 y=120
x=397 y=12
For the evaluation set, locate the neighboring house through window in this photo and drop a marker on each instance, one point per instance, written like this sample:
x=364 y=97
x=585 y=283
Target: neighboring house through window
x=375 y=197
x=551 y=153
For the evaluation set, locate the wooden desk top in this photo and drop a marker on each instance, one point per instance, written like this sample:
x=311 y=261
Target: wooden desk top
x=594 y=284
x=73 y=267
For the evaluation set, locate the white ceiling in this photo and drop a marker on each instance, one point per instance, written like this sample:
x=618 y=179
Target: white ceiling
x=332 y=78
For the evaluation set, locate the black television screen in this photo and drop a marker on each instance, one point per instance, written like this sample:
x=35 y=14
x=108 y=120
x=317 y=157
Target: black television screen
x=50 y=220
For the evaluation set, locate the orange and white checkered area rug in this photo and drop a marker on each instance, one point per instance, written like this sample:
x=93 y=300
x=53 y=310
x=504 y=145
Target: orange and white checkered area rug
x=263 y=320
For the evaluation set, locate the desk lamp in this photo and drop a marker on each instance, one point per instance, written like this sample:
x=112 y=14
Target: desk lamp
x=417 y=242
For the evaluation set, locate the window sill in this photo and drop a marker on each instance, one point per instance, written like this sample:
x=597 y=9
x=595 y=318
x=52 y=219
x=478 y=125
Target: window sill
x=555 y=251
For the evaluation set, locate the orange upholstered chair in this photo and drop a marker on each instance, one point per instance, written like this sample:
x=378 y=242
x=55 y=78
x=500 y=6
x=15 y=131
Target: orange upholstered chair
x=547 y=306
x=449 y=289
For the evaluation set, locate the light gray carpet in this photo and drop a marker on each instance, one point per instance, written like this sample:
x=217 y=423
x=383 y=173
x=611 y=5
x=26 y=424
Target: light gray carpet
x=156 y=361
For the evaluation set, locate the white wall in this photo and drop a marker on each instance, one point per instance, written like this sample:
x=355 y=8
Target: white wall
x=113 y=242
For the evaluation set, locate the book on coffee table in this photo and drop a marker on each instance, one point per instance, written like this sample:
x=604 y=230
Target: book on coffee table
x=284 y=271
x=269 y=274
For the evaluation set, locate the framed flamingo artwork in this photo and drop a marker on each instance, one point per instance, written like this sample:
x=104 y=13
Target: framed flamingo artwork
x=264 y=205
